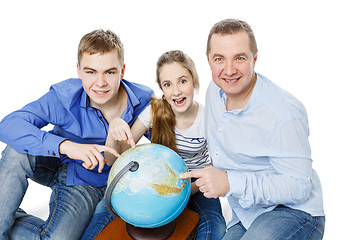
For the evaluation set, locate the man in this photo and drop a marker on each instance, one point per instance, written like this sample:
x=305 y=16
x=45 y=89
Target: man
x=69 y=159
x=258 y=141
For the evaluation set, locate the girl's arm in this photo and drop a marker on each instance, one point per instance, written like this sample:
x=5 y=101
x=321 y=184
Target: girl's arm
x=121 y=137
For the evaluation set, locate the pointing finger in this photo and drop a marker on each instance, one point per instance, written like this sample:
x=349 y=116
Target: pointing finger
x=191 y=174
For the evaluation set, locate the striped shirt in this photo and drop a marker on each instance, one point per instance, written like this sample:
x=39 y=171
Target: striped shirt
x=190 y=142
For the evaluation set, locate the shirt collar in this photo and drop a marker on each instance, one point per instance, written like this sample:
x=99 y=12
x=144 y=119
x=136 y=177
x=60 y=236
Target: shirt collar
x=254 y=95
x=131 y=95
x=85 y=101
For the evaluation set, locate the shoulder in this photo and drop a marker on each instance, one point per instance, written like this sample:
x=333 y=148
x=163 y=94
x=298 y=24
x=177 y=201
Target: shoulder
x=282 y=103
x=138 y=89
x=68 y=88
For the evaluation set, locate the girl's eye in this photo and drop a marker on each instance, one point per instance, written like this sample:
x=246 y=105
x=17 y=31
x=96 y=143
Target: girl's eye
x=183 y=81
x=166 y=84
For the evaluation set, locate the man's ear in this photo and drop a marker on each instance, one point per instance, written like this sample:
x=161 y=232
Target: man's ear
x=255 y=59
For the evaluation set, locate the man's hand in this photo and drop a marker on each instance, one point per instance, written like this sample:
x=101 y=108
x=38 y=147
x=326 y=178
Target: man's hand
x=211 y=181
x=120 y=131
x=90 y=154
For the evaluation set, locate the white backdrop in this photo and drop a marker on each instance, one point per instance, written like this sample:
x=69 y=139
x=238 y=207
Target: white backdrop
x=310 y=48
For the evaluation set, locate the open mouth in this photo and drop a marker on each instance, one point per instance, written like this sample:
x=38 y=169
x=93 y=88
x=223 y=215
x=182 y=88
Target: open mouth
x=179 y=101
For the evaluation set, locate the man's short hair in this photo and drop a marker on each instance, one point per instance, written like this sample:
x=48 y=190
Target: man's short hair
x=100 y=41
x=231 y=26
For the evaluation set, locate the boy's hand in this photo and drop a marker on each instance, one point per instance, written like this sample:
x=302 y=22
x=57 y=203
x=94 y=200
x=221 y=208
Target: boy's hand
x=211 y=181
x=120 y=131
x=90 y=154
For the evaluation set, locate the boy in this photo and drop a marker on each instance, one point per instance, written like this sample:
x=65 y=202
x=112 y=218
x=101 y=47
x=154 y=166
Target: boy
x=69 y=158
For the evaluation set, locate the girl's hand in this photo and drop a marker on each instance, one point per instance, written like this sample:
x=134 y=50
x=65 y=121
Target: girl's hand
x=120 y=131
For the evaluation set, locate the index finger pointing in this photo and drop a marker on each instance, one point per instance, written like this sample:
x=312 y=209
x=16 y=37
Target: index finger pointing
x=110 y=150
x=191 y=174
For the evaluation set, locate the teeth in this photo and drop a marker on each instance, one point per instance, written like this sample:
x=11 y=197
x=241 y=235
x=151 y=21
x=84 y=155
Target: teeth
x=179 y=101
x=230 y=80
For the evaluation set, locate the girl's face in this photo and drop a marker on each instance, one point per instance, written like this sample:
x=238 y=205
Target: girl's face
x=178 y=86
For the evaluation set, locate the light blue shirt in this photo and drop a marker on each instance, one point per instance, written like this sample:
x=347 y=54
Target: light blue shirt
x=265 y=150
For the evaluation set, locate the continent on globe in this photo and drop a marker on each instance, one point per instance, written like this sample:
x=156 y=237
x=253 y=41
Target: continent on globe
x=152 y=195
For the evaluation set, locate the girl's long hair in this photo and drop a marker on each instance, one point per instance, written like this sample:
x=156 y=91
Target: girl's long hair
x=163 y=117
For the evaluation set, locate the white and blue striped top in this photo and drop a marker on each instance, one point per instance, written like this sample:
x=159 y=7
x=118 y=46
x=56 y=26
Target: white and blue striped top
x=191 y=142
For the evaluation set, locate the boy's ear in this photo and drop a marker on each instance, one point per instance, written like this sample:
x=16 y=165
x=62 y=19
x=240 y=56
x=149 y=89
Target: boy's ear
x=123 y=71
x=78 y=69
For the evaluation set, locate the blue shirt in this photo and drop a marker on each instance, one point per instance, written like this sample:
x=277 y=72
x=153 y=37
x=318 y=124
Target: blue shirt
x=265 y=150
x=67 y=107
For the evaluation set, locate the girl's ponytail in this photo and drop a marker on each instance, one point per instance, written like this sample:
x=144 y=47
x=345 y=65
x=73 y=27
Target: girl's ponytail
x=163 y=123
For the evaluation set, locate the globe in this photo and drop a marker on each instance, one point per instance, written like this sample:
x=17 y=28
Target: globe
x=144 y=187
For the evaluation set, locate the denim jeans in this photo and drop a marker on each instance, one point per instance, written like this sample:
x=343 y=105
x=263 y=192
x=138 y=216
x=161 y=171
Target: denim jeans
x=282 y=223
x=211 y=224
x=70 y=207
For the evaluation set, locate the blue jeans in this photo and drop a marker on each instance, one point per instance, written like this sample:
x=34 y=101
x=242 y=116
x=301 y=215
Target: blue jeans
x=280 y=224
x=70 y=207
x=211 y=224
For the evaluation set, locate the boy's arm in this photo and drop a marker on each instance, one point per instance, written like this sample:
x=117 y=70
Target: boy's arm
x=22 y=129
x=90 y=154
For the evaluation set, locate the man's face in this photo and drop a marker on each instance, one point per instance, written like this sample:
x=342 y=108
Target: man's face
x=101 y=75
x=232 y=62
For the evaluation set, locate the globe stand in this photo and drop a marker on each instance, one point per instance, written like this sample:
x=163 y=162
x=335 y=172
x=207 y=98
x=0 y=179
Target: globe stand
x=159 y=233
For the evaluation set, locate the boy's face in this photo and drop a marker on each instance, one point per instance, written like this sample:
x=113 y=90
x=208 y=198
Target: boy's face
x=232 y=62
x=101 y=75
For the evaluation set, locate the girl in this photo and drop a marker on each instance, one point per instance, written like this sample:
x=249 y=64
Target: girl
x=176 y=121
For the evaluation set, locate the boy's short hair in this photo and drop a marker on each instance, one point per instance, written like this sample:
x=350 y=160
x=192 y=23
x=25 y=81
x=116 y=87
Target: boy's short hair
x=100 y=41
x=230 y=26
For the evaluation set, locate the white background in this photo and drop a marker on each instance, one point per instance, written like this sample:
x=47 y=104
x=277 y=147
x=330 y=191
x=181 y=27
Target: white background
x=310 y=48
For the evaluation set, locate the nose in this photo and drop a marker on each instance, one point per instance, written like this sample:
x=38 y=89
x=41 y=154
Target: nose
x=101 y=80
x=176 y=90
x=229 y=68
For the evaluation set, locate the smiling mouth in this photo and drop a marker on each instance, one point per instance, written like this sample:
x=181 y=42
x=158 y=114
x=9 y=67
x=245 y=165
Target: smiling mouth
x=231 y=80
x=100 y=92
x=179 y=101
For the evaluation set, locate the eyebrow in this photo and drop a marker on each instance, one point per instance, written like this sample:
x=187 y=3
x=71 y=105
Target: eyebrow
x=236 y=55
x=92 y=69
x=183 y=76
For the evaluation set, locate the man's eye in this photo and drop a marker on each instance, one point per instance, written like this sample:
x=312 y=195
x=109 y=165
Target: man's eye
x=218 y=59
x=241 y=59
x=90 y=72
x=111 y=72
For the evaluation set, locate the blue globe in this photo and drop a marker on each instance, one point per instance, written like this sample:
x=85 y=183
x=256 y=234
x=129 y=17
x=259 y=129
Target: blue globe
x=152 y=194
